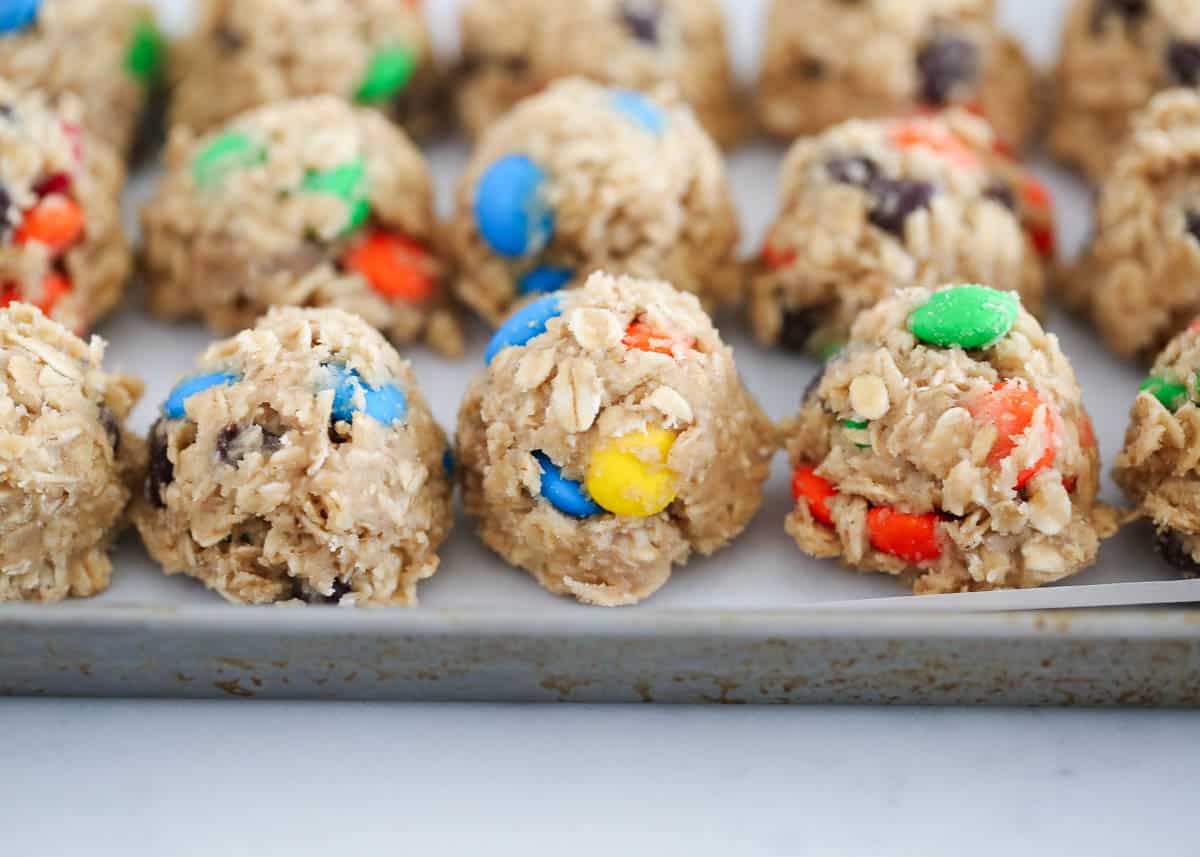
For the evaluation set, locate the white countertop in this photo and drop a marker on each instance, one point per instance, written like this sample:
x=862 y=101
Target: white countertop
x=226 y=778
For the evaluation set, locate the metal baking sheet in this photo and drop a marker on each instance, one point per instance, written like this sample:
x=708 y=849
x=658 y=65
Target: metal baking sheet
x=756 y=622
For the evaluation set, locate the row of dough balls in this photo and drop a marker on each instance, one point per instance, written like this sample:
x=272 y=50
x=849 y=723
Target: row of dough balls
x=608 y=439
x=824 y=61
x=316 y=202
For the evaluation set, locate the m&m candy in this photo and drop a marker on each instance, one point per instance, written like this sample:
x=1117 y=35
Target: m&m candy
x=385 y=404
x=523 y=325
x=629 y=475
x=510 y=211
x=17 y=14
x=175 y=407
x=965 y=316
x=564 y=494
x=640 y=110
x=544 y=279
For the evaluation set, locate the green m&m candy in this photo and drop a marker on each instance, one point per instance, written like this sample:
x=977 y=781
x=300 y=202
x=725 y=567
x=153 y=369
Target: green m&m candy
x=144 y=59
x=390 y=70
x=225 y=153
x=966 y=316
x=1172 y=394
x=349 y=182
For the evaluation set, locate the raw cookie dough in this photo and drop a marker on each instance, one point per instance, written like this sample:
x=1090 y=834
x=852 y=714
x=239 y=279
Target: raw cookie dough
x=1139 y=278
x=1115 y=55
x=1158 y=466
x=947 y=444
x=109 y=53
x=609 y=438
x=310 y=202
x=66 y=462
x=247 y=53
x=827 y=61
x=299 y=462
x=515 y=48
x=585 y=178
x=61 y=243
x=870 y=206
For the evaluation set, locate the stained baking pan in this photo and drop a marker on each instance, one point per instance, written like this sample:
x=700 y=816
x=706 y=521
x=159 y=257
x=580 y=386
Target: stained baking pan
x=758 y=622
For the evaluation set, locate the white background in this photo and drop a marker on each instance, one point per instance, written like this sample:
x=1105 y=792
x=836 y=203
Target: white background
x=125 y=778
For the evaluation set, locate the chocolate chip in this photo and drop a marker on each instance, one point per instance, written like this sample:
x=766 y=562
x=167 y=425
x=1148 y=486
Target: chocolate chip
x=5 y=205
x=231 y=452
x=1192 y=223
x=225 y=440
x=945 y=65
x=1003 y=194
x=858 y=171
x=895 y=200
x=643 y=19
x=6 y=111
x=515 y=65
x=1130 y=11
x=799 y=323
x=308 y=595
x=1183 y=59
x=1170 y=548
x=229 y=40
x=111 y=428
x=162 y=471
x=811 y=68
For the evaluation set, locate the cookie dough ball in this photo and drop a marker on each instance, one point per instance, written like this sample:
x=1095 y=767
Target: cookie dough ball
x=585 y=178
x=299 y=462
x=1139 y=278
x=109 y=53
x=827 y=61
x=515 y=48
x=948 y=445
x=310 y=203
x=609 y=439
x=66 y=462
x=1115 y=55
x=61 y=243
x=1158 y=466
x=871 y=206
x=247 y=53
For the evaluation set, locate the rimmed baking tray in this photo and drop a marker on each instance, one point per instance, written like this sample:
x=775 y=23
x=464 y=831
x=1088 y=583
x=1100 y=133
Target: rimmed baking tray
x=758 y=622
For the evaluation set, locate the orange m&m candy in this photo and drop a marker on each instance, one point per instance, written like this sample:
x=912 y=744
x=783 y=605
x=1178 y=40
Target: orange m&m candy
x=395 y=266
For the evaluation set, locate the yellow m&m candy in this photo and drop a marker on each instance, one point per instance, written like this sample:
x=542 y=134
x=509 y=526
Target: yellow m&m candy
x=629 y=475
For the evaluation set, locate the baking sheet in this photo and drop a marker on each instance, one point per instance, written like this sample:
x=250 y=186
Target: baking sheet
x=763 y=570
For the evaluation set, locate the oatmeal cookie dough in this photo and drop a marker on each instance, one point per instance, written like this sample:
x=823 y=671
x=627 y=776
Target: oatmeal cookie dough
x=66 y=460
x=310 y=202
x=1115 y=55
x=1139 y=278
x=108 y=53
x=515 y=48
x=871 y=206
x=61 y=243
x=300 y=462
x=248 y=53
x=609 y=439
x=585 y=178
x=827 y=61
x=1158 y=467
x=947 y=445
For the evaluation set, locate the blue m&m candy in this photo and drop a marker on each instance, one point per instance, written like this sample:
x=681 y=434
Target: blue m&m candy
x=544 y=280
x=566 y=495
x=386 y=404
x=17 y=14
x=640 y=109
x=523 y=325
x=510 y=211
x=175 y=407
